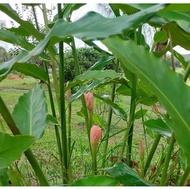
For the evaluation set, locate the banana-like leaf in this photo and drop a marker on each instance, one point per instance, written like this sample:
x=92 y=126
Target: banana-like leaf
x=30 y=113
x=11 y=147
x=168 y=86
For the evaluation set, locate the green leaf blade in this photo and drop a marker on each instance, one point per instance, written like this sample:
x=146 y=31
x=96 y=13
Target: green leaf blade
x=11 y=148
x=30 y=113
x=126 y=176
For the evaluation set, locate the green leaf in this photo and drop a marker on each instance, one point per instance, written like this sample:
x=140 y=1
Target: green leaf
x=101 y=63
x=126 y=176
x=97 y=74
x=124 y=90
x=51 y=120
x=96 y=181
x=82 y=112
x=160 y=37
x=14 y=38
x=15 y=177
x=87 y=88
x=30 y=113
x=178 y=35
x=159 y=126
x=181 y=58
x=31 y=70
x=26 y=25
x=116 y=109
x=140 y=113
x=162 y=81
x=98 y=120
x=11 y=147
x=4 y=178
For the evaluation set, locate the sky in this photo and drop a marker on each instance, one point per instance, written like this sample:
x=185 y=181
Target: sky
x=76 y=15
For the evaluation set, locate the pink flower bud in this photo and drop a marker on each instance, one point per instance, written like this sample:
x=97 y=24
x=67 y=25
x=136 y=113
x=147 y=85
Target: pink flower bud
x=95 y=136
x=89 y=99
x=68 y=92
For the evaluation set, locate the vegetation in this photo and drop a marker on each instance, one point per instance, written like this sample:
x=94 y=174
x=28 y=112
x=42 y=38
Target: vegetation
x=122 y=125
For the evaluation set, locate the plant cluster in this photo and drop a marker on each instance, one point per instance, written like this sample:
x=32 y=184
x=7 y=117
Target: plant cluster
x=140 y=72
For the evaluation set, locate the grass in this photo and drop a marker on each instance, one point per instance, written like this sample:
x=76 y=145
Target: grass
x=45 y=149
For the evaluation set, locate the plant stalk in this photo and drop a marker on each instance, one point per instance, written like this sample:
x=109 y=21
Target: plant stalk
x=131 y=119
x=77 y=72
x=62 y=106
x=167 y=160
x=54 y=113
x=53 y=64
x=109 y=120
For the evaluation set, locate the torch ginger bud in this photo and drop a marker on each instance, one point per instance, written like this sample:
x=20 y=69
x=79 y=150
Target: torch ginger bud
x=95 y=136
x=89 y=99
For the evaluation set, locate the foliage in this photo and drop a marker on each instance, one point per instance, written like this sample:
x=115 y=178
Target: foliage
x=86 y=57
x=136 y=70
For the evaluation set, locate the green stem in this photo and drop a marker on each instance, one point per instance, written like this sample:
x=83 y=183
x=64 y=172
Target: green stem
x=52 y=60
x=172 y=53
x=184 y=177
x=14 y=129
x=69 y=127
x=137 y=38
x=172 y=168
x=187 y=73
x=151 y=154
x=54 y=113
x=38 y=171
x=49 y=86
x=109 y=121
x=94 y=159
x=62 y=106
x=167 y=160
x=131 y=119
x=77 y=72
x=35 y=18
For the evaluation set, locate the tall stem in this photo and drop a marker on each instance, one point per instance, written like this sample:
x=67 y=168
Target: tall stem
x=62 y=106
x=131 y=119
x=53 y=63
x=14 y=129
x=167 y=160
x=109 y=121
x=77 y=72
x=54 y=114
x=35 y=17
